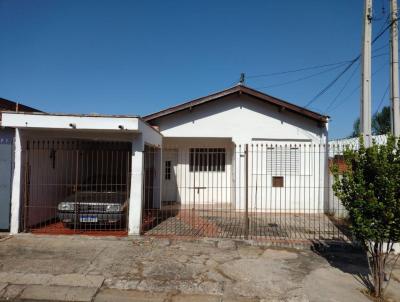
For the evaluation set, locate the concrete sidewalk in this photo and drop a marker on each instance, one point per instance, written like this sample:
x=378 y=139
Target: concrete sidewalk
x=80 y=268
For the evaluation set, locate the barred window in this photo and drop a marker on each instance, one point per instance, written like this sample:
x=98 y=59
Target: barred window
x=207 y=159
x=168 y=170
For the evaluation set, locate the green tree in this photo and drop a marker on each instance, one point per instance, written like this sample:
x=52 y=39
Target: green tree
x=370 y=191
x=380 y=123
x=356 y=128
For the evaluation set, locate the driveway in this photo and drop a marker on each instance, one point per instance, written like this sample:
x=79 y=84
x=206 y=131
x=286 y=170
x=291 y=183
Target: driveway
x=80 y=268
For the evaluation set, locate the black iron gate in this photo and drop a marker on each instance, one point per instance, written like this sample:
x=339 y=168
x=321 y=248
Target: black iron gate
x=257 y=191
x=76 y=186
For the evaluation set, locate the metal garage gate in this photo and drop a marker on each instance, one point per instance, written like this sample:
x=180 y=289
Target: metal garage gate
x=76 y=186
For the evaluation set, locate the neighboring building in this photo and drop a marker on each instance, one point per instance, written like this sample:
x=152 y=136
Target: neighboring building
x=6 y=148
x=335 y=154
x=204 y=141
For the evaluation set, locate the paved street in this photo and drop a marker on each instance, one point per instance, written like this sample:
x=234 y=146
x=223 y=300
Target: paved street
x=74 y=268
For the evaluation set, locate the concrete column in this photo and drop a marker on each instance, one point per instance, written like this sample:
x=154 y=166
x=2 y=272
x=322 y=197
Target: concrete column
x=16 y=184
x=136 y=194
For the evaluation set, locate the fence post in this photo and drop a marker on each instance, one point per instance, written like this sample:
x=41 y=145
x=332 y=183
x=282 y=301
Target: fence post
x=246 y=181
x=26 y=187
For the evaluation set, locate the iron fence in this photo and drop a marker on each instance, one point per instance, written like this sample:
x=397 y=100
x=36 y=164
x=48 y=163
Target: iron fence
x=257 y=191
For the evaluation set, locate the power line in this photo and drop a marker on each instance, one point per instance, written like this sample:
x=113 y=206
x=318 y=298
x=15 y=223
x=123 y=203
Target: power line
x=300 y=79
x=332 y=82
x=382 y=99
x=310 y=76
x=358 y=86
x=304 y=68
x=326 y=88
x=343 y=88
x=295 y=70
x=331 y=103
x=379 y=48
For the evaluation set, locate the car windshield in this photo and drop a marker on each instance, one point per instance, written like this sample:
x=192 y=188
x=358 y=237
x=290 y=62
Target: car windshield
x=104 y=183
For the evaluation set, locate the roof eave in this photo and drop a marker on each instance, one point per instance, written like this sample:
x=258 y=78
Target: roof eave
x=239 y=89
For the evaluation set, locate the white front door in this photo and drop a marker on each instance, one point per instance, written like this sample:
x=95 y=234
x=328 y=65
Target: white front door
x=170 y=157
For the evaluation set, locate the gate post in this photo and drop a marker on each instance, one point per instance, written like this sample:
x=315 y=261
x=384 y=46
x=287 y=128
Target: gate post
x=136 y=187
x=16 y=184
x=246 y=181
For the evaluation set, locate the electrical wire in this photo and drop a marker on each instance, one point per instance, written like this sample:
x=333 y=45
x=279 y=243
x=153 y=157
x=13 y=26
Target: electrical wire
x=358 y=87
x=327 y=87
x=343 y=88
x=295 y=70
x=300 y=79
x=382 y=99
x=331 y=103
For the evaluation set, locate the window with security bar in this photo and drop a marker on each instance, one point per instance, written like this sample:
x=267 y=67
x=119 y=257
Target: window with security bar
x=207 y=159
x=167 y=170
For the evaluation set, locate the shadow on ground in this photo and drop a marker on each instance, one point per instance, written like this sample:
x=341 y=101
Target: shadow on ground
x=348 y=258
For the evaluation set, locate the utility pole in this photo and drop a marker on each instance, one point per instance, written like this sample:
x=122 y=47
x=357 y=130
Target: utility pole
x=365 y=114
x=394 y=70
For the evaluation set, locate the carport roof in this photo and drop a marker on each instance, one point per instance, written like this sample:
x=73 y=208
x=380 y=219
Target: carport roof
x=76 y=114
x=83 y=123
x=73 y=121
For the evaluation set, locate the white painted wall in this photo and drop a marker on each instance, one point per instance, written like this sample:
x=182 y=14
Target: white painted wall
x=52 y=121
x=234 y=122
x=242 y=119
x=197 y=187
x=302 y=168
x=16 y=196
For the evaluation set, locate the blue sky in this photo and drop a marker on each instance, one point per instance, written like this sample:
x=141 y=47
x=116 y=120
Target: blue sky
x=137 y=57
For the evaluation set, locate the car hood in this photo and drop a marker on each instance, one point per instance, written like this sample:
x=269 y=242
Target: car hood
x=98 y=197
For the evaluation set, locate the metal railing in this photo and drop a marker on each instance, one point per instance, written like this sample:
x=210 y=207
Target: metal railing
x=76 y=187
x=256 y=191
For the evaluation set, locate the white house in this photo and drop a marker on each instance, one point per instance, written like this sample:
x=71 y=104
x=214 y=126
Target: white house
x=205 y=158
x=232 y=152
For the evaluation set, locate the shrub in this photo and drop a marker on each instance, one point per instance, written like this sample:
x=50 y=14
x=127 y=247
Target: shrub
x=369 y=189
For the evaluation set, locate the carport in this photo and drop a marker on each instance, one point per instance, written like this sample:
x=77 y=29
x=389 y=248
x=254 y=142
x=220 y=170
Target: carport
x=79 y=174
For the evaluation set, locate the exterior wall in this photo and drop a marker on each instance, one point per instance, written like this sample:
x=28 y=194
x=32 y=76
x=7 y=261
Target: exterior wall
x=234 y=122
x=6 y=159
x=242 y=119
x=336 y=148
x=202 y=187
x=303 y=169
x=48 y=121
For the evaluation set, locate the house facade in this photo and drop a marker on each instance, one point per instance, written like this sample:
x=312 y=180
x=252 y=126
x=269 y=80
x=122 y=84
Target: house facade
x=227 y=159
x=216 y=145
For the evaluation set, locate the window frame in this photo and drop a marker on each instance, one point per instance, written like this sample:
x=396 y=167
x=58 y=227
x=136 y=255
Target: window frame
x=207 y=159
x=167 y=170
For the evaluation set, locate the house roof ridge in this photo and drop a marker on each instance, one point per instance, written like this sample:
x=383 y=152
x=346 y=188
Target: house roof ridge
x=241 y=88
